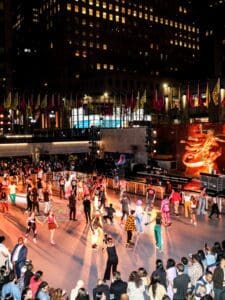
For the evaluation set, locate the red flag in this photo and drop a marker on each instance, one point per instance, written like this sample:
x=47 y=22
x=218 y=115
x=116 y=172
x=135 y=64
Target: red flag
x=22 y=104
x=190 y=98
x=160 y=102
x=155 y=100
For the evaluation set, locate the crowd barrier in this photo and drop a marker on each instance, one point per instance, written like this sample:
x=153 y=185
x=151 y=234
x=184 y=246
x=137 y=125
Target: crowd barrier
x=131 y=186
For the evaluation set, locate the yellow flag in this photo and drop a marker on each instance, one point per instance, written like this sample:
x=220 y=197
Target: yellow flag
x=216 y=93
x=207 y=95
x=8 y=101
x=143 y=100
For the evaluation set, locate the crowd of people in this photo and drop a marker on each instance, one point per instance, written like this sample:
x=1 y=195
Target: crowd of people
x=197 y=276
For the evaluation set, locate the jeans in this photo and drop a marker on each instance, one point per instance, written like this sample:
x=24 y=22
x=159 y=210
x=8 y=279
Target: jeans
x=139 y=223
x=201 y=206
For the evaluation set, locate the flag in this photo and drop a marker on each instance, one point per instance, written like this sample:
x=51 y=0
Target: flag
x=199 y=98
x=15 y=101
x=207 y=95
x=137 y=103
x=44 y=102
x=155 y=100
x=51 y=103
x=160 y=102
x=190 y=98
x=8 y=101
x=143 y=99
x=22 y=104
x=38 y=103
x=29 y=109
x=216 y=92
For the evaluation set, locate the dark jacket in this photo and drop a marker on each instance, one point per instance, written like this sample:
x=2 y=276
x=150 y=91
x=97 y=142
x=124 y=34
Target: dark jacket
x=117 y=288
x=99 y=289
x=218 y=278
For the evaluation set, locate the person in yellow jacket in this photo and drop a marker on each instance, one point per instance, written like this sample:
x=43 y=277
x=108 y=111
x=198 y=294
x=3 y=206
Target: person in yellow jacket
x=130 y=227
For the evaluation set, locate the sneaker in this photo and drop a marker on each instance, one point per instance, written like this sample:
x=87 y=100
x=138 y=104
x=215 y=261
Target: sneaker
x=52 y=243
x=195 y=223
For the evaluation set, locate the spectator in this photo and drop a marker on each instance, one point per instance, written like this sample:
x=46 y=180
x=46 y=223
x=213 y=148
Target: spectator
x=19 y=256
x=11 y=288
x=218 y=279
x=156 y=289
x=181 y=283
x=42 y=292
x=118 y=286
x=74 y=292
x=135 y=288
x=100 y=289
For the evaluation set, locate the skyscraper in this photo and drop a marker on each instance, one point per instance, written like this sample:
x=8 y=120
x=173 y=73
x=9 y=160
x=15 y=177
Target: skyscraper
x=92 y=45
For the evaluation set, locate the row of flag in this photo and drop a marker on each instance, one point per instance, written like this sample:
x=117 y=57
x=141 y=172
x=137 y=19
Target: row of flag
x=157 y=100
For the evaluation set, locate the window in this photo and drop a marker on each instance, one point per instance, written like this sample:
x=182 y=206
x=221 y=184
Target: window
x=117 y=18
x=90 y=12
x=123 y=20
x=104 y=15
x=104 y=47
x=68 y=7
x=110 y=17
x=97 y=13
x=76 y=8
x=83 y=10
x=98 y=66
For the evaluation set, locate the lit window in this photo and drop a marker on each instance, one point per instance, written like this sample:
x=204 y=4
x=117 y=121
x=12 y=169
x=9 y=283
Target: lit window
x=117 y=18
x=171 y=23
x=90 y=2
x=151 y=18
x=97 y=3
x=189 y=28
x=129 y=11
x=91 y=44
x=185 y=10
x=97 y=45
x=135 y=13
x=84 y=22
x=181 y=43
x=104 y=15
x=58 y=7
x=140 y=15
x=193 y=47
x=176 y=42
x=104 y=5
x=180 y=25
x=185 y=27
x=97 y=13
x=83 y=10
x=189 y=45
x=105 y=66
x=84 y=54
x=98 y=66
x=198 y=48
x=123 y=10
x=166 y=21
x=84 y=43
x=117 y=8
x=110 y=17
x=76 y=8
x=123 y=20
x=90 y=12
x=110 y=6
x=68 y=6
x=77 y=53
x=161 y=21
x=193 y=29
x=146 y=16
x=171 y=42
x=104 y=46
x=175 y=24
x=185 y=44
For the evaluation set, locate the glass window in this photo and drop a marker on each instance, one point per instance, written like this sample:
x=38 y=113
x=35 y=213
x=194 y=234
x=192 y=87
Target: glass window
x=76 y=8
x=83 y=10
x=97 y=13
x=68 y=6
x=91 y=12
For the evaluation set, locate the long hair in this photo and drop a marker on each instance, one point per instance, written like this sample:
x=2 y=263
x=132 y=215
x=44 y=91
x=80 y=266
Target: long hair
x=155 y=280
x=134 y=277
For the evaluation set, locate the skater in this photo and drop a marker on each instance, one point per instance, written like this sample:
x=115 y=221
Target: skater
x=110 y=211
x=31 y=225
x=125 y=203
x=139 y=216
x=29 y=199
x=158 y=232
x=72 y=206
x=62 y=187
x=35 y=202
x=214 y=209
x=4 y=202
x=130 y=227
x=165 y=210
x=201 y=203
x=47 y=206
x=112 y=261
x=52 y=225
x=12 y=192
x=193 y=205
x=149 y=203
x=97 y=229
x=87 y=208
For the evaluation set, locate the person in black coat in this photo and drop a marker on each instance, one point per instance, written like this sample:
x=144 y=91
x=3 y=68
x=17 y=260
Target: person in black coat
x=101 y=289
x=118 y=286
x=160 y=271
x=19 y=256
x=72 y=206
x=87 y=209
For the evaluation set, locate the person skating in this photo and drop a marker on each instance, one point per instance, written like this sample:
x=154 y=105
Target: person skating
x=72 y=206
x=158 y=232
x=125 y=205
x=52 y=225
x=87 y=208
x=31 y=225
x=165 y=210
x=130 y=228
x=112 y=260
x=214 y=209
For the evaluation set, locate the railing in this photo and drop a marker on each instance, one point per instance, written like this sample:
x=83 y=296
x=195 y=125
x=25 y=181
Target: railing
x=53 y=135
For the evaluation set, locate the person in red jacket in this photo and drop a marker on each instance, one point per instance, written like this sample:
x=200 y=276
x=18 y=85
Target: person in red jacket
x=175 y=198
